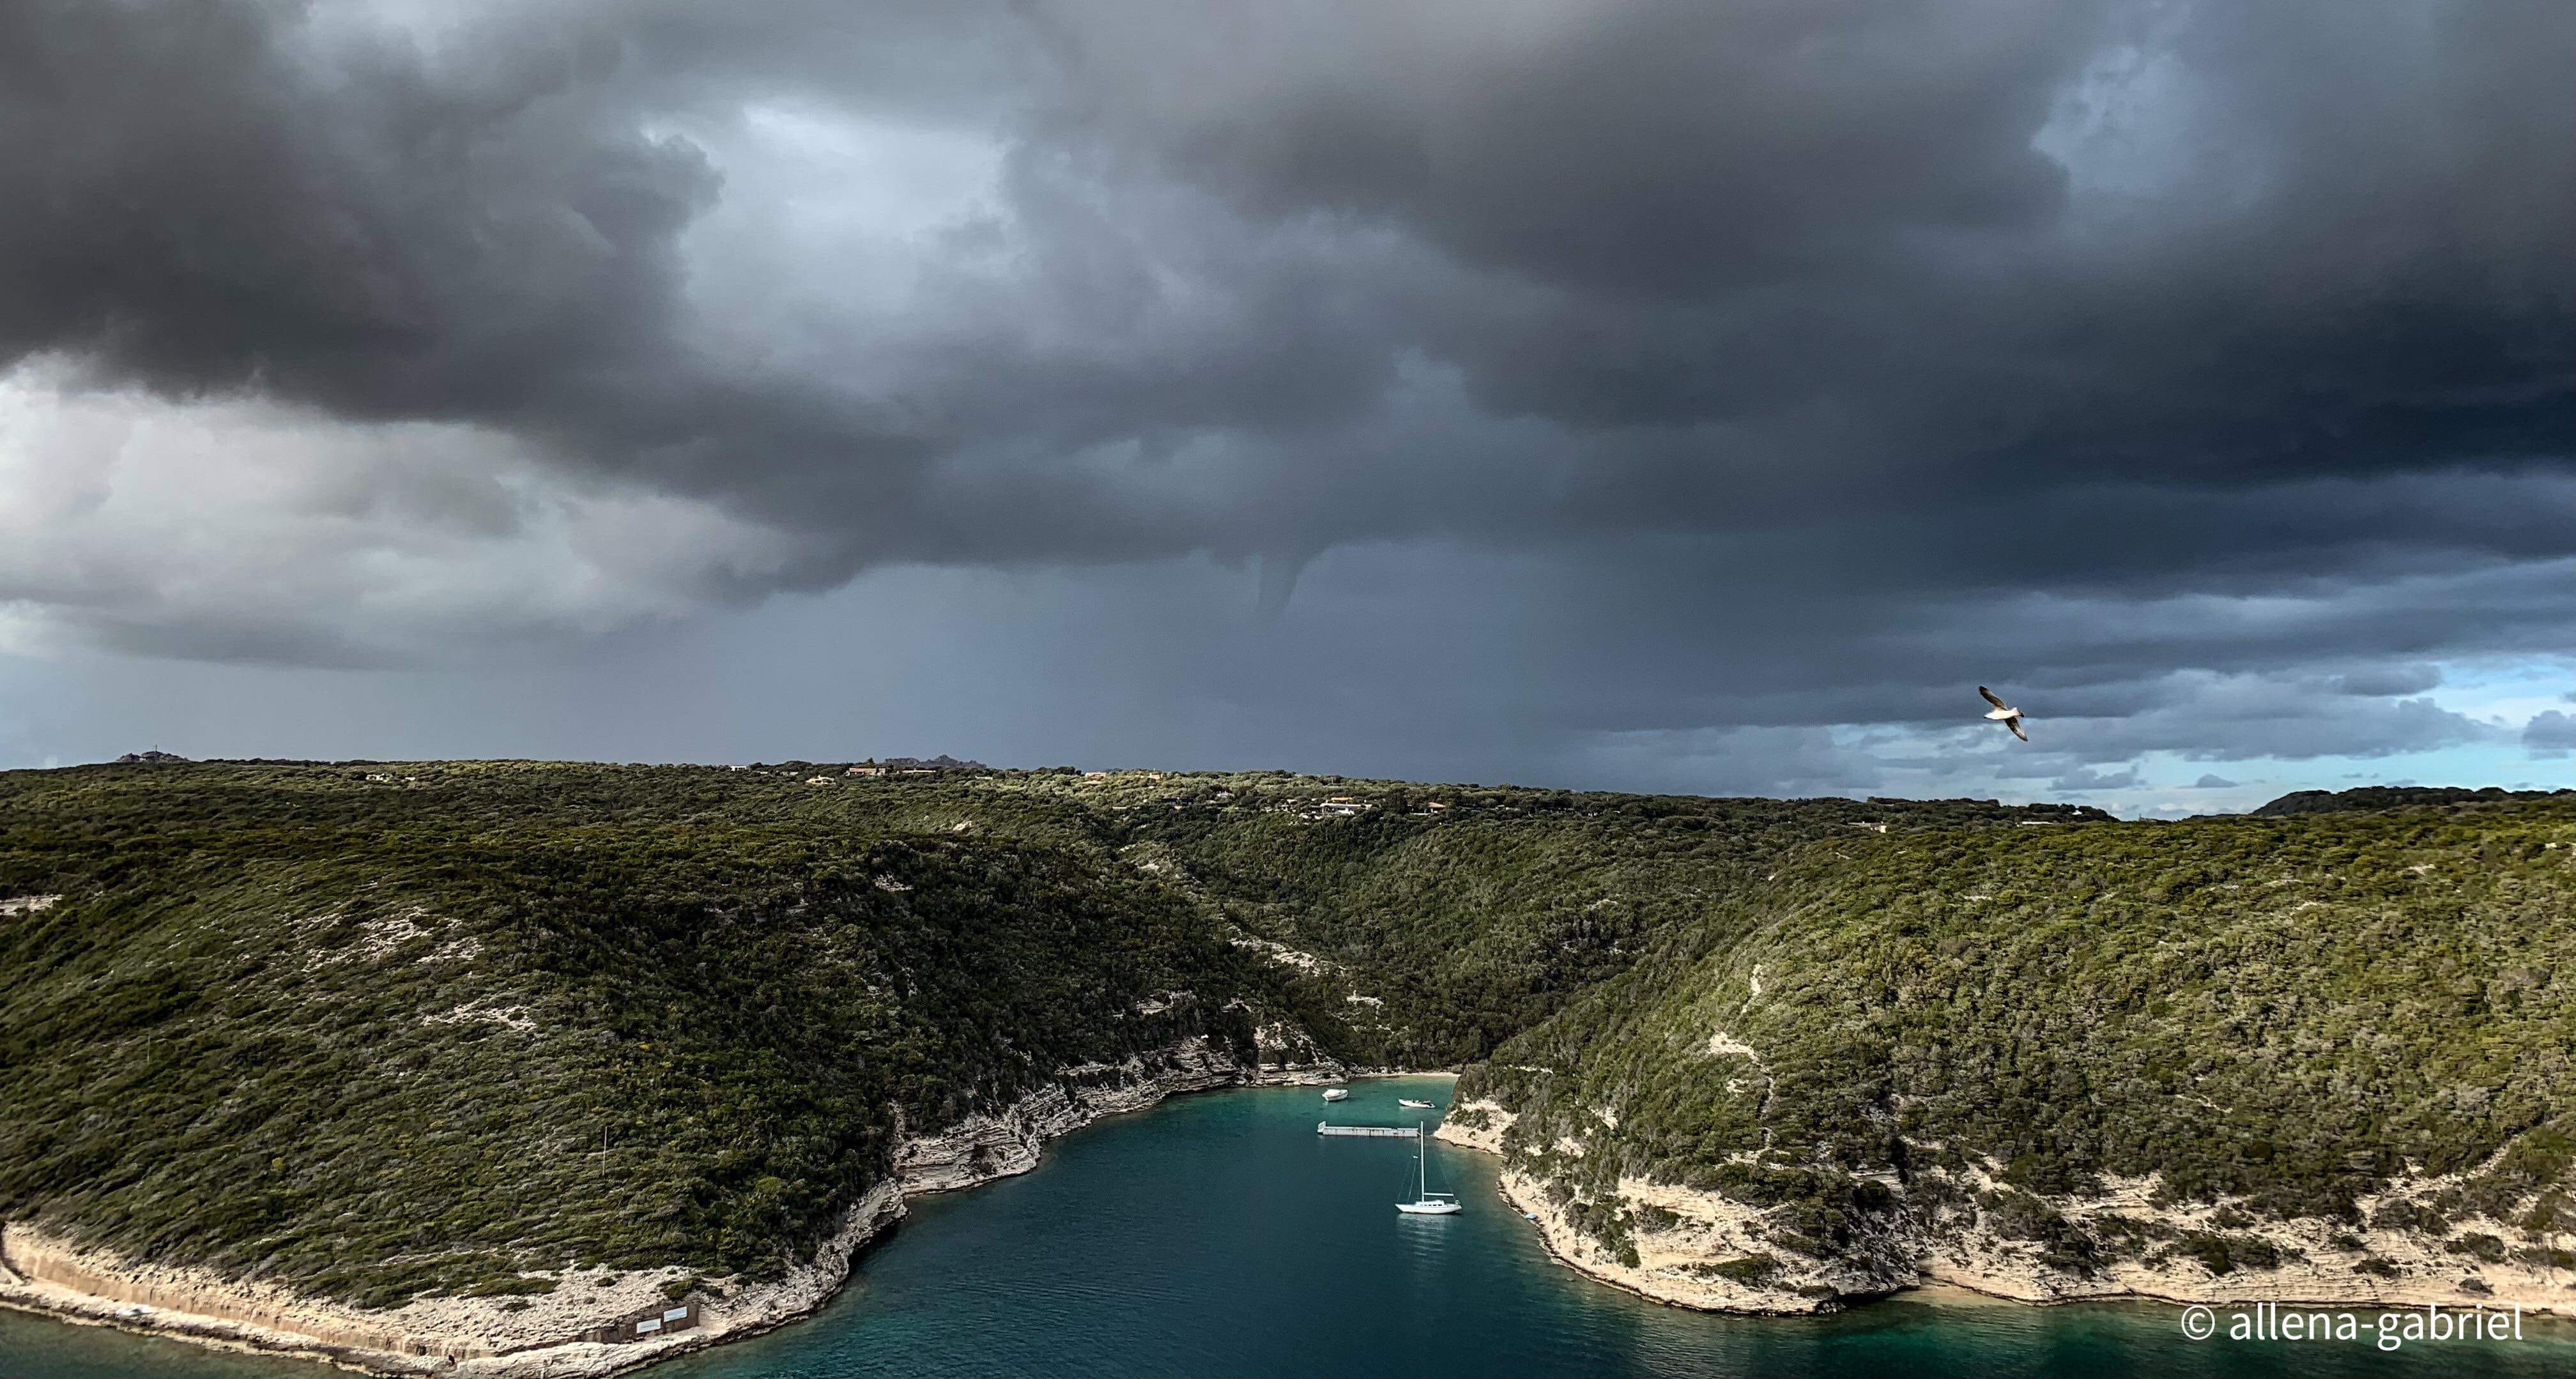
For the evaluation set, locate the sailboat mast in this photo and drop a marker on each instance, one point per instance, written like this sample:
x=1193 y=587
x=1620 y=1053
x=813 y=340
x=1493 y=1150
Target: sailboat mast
x=1421 y=1165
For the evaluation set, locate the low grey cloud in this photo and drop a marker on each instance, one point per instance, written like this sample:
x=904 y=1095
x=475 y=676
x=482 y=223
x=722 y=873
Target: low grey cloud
x=2550 y=733
x=1696 y=379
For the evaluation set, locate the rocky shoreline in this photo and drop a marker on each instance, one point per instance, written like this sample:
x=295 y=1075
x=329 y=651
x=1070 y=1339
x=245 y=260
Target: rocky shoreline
x=1705 y=1256
x=539 y=1336
x=1698 y=1256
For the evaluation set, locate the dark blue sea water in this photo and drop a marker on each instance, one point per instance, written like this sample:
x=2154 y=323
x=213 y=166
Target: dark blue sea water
x=1219 y=1235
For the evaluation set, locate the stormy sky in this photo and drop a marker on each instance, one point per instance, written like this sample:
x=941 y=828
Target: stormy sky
x=1682 y=396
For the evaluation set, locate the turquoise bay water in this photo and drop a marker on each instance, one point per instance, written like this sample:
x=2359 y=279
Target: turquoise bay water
x=1219 y=1235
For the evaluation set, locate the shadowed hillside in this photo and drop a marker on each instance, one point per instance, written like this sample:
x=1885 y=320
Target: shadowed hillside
x=377 y=1030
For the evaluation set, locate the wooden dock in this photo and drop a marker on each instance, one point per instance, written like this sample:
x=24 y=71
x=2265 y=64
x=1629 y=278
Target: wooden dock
x=1384 y=1132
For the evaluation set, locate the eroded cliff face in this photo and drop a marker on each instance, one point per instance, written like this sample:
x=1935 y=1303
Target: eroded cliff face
x=1967 y=1228
x=537 y=1336
x=1707 y=1251
x=1992 y=1238
x=521 y=1338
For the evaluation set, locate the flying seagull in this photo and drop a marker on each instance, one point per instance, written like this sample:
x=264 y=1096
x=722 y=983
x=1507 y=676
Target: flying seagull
x=2004 y=713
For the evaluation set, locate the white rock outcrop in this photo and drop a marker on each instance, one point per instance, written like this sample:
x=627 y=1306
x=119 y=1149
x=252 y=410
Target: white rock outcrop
x=1709 y=1251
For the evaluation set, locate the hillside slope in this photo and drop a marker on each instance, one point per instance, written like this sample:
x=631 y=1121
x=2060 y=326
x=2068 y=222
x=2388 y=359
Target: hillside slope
x=1467 y=913
x=488 y=1035
x=2174 y=1059
x=466 y=1033
x=374 y=1032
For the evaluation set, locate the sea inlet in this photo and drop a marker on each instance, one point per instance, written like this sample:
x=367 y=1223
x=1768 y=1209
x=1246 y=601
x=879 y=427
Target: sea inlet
x=1219 y=1234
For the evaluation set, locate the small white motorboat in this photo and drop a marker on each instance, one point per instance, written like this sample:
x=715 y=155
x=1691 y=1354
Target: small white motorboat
x=1335 y=1094
x=1426 y=1202
x=1416 y=1105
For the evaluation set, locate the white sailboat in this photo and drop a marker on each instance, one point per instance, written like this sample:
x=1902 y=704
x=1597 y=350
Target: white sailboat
x=1416 y=1105
x=1426 y=1202
x=1334 y=1094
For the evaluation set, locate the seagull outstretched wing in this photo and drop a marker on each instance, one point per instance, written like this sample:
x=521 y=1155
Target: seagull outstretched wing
x=1991 y=699
x=2014 y=723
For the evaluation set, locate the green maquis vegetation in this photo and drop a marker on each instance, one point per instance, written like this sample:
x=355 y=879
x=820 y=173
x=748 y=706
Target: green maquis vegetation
x=375 y=1036
x=376 y=1030
x=2284 y=1013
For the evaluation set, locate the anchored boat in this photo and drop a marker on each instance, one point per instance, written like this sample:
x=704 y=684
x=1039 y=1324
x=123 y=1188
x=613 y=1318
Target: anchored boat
x=1426 y=1202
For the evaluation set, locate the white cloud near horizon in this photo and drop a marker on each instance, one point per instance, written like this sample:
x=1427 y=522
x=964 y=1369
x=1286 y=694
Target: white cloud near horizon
x=265 y=531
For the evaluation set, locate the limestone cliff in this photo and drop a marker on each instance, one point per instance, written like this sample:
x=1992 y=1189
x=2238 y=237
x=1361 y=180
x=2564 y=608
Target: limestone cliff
x=1971 y=1230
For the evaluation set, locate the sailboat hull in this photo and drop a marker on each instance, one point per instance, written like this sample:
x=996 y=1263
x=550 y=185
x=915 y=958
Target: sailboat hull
x=1425 y=1202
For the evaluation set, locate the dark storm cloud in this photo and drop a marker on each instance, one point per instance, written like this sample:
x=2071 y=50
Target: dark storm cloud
x=2319 y=244
x=1820 y=358
x=1650 y=153
x=1835 y=236
x=198 y=204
